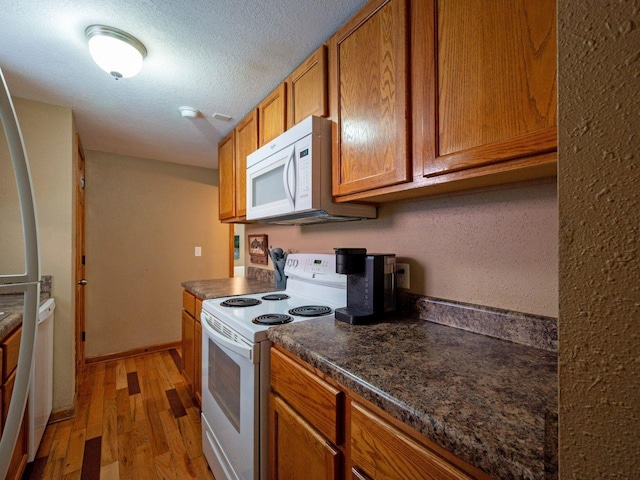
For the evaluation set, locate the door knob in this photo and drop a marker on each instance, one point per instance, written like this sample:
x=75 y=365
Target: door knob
x=82 y=282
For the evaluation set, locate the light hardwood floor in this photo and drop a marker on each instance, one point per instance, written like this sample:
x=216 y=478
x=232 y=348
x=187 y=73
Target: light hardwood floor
x=135 y=419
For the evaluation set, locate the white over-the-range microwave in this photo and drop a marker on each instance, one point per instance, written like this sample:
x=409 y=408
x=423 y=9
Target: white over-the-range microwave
x=289 y=179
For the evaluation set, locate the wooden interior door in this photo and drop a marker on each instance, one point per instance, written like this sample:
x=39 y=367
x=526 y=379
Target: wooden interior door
x=80 y=278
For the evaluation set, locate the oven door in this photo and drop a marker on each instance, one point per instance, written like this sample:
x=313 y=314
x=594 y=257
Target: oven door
x=230 y=401
x=271 y=185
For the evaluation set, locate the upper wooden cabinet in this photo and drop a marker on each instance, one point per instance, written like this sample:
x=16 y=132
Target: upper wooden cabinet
x=246 y=143
x=483 y=98
x=496 y=64
x=368 y=98
x=232 y=168
x=307 y=89
x=272 y=112
x=226 y=177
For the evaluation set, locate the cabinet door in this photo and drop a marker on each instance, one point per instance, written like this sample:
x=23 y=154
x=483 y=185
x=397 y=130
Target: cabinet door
x=368 y=92
x=226 y=177
x=188 y=349
x=496 y=77
x=272 y=112
x=380 y=451
x=18 y=460
x=297 y=449
x=246 y=143
x=307 y=88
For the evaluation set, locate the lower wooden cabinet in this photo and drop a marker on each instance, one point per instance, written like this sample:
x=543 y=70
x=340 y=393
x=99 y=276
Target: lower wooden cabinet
x=192 y=343
x=188 y=348
x=298 y=449
x=10 y=347
x=320 y=429
x=381 y=451
x=198 y=361
x=20 y=453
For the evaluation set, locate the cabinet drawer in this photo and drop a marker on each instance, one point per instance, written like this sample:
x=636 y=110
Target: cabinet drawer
x=379 y=450
x=189 y=303
x=10 y=350
x=318 y=402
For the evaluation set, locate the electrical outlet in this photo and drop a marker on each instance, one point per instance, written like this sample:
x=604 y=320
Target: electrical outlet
x=198 y=251
x=402 y=275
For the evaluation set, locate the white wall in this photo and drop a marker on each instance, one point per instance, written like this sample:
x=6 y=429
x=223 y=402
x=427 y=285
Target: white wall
x=143 y=220
x=48 y=136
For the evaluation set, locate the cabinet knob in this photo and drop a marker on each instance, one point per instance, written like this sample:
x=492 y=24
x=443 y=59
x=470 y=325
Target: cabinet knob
x=82 y=282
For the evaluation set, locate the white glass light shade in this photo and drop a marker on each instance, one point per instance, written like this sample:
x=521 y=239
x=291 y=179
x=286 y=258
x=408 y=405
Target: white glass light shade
x=115 y=51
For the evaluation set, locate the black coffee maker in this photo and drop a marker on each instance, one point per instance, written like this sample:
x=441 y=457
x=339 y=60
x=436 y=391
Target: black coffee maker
x=371 y=285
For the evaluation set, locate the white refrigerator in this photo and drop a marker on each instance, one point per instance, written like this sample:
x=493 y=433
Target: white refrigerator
x=26 y=278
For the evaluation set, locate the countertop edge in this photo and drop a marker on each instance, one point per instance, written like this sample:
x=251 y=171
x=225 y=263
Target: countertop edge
x=13 y=311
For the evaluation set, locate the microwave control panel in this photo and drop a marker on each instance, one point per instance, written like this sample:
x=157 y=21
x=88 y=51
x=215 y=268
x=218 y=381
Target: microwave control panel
x=304 y=173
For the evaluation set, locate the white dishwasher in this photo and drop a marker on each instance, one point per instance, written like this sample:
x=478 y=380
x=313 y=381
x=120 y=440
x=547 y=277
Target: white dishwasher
x=41 y=387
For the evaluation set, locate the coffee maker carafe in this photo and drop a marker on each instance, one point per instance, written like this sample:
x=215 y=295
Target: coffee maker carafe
x=371 y=285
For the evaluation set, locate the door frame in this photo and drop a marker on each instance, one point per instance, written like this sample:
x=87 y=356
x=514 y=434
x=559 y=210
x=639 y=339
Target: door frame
x=79 y=174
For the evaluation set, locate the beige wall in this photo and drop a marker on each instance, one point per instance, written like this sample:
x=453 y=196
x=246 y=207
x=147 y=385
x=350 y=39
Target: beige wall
x=47 y=131
x=598 y=45
x=143 y=220
x=495 y=248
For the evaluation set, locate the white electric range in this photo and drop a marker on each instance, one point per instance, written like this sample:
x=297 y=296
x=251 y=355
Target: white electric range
x=235 y=361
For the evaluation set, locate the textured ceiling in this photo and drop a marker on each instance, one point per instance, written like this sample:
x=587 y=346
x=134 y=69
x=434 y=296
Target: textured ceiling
x=217 y=56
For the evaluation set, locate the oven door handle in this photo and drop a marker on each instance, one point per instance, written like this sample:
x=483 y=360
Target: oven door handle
x=243 y=349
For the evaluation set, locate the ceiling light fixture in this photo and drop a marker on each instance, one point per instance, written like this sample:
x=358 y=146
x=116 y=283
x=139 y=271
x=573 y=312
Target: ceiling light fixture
x=115 y=51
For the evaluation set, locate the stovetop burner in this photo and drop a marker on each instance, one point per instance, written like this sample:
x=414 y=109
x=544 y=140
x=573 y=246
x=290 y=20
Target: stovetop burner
x=241 y=302
x=272 y=319
x=276 y=296
x=310 y=311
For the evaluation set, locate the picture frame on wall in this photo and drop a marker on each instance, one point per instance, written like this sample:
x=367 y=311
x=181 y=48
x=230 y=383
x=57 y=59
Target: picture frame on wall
x=258 y=249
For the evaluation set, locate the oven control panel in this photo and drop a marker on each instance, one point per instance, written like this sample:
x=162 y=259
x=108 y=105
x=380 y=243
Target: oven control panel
x=313 y=265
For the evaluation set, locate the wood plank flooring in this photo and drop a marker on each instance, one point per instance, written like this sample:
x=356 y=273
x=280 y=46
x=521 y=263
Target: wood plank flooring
x=135 y=420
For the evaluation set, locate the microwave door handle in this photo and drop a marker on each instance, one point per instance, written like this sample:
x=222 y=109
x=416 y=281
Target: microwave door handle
x=287 y=189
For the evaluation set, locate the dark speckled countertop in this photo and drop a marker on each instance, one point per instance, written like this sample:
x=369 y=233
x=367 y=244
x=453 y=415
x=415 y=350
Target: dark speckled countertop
x=11 y=305
x=491 y=402
x=225 y=287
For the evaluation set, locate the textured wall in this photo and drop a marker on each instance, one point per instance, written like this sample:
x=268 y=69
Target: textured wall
x=496 y=248
x=143 y=220
x=48 y=138
x=599 y=65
